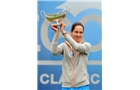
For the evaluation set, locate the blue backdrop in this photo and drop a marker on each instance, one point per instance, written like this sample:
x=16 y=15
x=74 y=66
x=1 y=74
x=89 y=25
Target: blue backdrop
x=49 y=66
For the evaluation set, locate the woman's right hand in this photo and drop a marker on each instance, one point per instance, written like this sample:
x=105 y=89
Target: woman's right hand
x=54 y=27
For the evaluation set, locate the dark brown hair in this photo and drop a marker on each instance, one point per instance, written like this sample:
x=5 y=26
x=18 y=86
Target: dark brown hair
x=76 y=24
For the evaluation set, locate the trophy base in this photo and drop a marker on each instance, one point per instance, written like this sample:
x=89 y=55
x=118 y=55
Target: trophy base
x=57 y=24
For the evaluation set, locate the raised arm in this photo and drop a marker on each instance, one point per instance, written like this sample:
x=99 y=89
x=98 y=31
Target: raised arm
x=82 y=48
x=55 y=48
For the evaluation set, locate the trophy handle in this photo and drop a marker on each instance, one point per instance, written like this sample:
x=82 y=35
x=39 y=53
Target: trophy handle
x=67 y=8
x=42 y=11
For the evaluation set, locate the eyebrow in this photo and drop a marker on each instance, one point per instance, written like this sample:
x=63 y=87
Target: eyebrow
x=78 y=30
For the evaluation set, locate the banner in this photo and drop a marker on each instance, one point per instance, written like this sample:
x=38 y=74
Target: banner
x=88 y=12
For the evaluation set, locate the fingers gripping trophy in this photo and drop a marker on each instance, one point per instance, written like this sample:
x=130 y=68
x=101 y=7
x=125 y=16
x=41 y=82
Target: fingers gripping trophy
x=55 y=17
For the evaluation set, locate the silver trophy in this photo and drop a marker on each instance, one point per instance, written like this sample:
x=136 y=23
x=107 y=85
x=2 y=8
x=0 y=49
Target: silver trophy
x=55 y=17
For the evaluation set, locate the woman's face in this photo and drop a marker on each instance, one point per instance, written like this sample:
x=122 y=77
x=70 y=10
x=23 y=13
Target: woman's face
x=77 y=33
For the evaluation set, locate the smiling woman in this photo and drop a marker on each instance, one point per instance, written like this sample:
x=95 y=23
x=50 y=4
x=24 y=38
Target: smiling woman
x=77 y=31
x=75 y=56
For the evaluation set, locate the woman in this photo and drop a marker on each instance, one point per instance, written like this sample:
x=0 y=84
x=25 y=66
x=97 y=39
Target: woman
x=75 y=56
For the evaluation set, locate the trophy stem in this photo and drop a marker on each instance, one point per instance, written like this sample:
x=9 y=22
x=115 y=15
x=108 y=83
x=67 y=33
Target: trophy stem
x=57 y=22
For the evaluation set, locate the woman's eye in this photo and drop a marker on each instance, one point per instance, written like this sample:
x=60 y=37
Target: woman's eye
x=76 y=32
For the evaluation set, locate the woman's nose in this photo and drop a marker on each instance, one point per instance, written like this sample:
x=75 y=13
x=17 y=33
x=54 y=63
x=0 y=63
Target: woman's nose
x=78 y=34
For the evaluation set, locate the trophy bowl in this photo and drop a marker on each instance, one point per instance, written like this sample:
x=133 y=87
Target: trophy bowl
x=55 y=17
